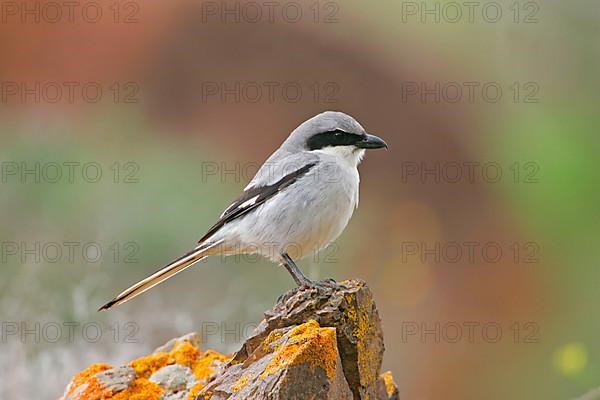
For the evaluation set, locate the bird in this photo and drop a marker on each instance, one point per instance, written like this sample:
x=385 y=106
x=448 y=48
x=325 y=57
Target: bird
x=299 y=201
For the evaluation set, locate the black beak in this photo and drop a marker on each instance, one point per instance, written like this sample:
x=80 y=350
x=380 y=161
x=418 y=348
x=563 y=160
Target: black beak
x=371 y=142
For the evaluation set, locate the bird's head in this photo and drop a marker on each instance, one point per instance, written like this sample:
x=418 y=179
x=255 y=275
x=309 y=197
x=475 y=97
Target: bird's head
x=334 y=133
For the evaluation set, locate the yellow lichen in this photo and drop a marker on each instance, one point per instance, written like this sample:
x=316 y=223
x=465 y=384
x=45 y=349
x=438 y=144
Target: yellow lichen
x=307 y=343
x=94 y=391
x=390 y=385
x=140 y=389
x=207 y=395
x=273 y=337
x=183 y=353
x=366 y=357
x=85 y=375
x=241 y=383
x=301 y=330
x=195 y=390
x=146 y=366
x=363 y=328
x=203 y=366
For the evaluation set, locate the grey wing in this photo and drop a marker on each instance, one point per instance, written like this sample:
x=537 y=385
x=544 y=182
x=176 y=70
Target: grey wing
x=280 y=164
x=256 y=194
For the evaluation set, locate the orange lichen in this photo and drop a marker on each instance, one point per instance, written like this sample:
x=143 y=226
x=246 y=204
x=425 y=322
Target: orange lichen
x=203 y=366
x=86 y=375
x=306 y=343
x=195 y=390
x=186 y=354
x=390 y=385
x=183 y=353
x=273 y=337
x=241 y=383
x=363 y=328
x=207 y=395
x=146 y=366
x=140 y=389
x=95 y=391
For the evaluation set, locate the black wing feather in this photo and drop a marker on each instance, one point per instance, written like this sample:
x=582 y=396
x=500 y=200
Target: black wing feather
x=262 y=194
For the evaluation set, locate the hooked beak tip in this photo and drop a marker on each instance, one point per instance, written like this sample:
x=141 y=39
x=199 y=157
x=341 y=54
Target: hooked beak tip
x=372 y=142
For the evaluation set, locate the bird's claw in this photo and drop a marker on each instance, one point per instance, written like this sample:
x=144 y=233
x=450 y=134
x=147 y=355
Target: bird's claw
x=325 y=284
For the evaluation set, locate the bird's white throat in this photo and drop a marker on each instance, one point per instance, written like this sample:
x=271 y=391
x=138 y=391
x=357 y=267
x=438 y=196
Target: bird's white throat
x=349 y=154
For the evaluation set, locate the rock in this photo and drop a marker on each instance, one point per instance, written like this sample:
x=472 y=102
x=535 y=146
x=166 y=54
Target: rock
x=323 y=342
x=176 y=381
x=117 y=379
x=299 y=362
x=349 y=308
x=193 y=338
x=387 y=388
x=177 y=370
x=109 y=383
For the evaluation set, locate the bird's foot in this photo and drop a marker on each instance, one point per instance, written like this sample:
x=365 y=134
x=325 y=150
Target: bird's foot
x=326 y=284
x=324 y=287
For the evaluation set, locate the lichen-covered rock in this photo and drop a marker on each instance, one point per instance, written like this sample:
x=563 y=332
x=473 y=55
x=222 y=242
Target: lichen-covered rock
x=176 y=381
x=350 y=309
x=323 y=342
x=299 y=362
x=386 y=387
x=177 y=370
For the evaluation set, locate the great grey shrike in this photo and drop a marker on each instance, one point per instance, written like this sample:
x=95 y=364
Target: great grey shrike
x=300 y=200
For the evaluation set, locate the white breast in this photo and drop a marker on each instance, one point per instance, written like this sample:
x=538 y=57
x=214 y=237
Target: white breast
x=306 y=216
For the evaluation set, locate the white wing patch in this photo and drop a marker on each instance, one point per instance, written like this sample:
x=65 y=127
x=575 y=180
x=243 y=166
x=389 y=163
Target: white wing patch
x=254 y=197
x=249 y=202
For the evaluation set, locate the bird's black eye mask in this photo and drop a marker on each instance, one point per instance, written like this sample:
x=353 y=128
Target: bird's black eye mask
x=333 y=138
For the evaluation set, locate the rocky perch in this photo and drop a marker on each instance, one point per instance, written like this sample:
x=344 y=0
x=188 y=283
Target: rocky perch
x=322 y=342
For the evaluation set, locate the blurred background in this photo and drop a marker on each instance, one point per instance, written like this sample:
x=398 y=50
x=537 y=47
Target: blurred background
x=127 y=127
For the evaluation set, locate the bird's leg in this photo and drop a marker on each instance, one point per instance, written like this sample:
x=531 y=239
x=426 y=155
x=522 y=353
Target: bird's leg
x=299 y=277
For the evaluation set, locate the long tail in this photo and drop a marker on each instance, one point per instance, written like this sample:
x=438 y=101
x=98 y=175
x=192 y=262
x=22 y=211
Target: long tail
x=174 y=267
